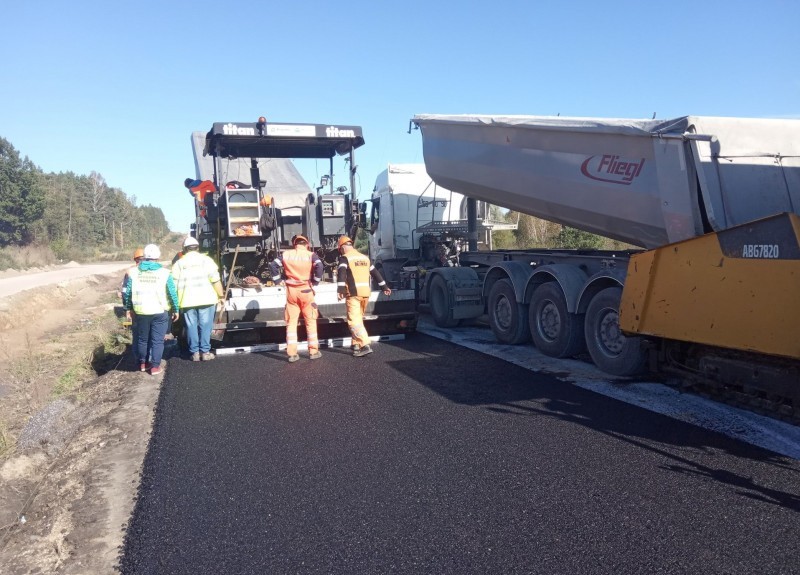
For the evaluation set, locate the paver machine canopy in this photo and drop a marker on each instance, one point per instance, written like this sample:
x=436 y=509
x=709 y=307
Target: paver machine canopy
x=261 y=214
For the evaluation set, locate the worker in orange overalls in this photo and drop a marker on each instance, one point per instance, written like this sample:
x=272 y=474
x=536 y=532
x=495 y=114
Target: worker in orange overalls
x=203 y=192
x=302 y=270
x=353 y=273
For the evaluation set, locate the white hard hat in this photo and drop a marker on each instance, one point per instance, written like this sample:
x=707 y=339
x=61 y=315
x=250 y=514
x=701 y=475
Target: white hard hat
x=151 y=252
x=190 y=241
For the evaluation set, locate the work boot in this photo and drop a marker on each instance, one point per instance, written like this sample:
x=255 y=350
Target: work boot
x=207 y=356
x=142 y=367
x=315 y=355
x=363 y=351
x=293 y=358
x=196 y=356
x=155 y=370
x=356 y=347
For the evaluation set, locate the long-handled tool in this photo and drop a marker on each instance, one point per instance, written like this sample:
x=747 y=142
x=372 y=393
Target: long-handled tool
x=219 y=334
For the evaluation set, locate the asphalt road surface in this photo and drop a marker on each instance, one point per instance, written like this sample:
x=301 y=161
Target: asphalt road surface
x=430 y=458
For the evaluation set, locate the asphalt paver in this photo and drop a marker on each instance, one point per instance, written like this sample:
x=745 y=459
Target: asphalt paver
x=425 y=457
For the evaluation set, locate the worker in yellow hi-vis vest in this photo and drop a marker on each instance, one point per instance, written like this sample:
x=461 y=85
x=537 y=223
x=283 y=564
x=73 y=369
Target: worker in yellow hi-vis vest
x=353 y=273
x=199 y=288
x=150 y=293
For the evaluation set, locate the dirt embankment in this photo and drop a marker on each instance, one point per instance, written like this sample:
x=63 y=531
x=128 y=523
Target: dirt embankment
x=72 y=442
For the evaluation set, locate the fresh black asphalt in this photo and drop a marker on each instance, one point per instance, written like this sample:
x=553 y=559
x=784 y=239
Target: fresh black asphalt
x=429 y=458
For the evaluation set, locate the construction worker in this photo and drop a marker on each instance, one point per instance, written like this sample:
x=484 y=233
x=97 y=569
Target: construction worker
x=199 y=290
x=138 y=255
x=353 y=273
x=150 y=294
x=203 y=192
x=302 y=270
x=200 y=189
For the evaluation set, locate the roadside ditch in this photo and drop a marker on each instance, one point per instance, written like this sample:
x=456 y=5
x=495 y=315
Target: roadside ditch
x=75 y=420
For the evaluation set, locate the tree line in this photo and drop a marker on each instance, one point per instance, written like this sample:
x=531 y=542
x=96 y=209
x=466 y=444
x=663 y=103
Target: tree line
x=78 y=216
x=533 y=232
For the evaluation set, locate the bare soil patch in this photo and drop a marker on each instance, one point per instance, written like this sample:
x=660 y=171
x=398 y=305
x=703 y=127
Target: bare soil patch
x=71 y=442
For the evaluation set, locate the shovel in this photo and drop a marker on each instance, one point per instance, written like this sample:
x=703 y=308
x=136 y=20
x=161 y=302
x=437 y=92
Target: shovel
x=219 y=334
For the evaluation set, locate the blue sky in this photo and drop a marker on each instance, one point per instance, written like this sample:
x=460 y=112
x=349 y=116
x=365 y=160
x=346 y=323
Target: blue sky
x=118 y=87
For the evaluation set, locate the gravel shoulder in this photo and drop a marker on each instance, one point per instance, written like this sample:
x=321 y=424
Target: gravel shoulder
x=74 y=441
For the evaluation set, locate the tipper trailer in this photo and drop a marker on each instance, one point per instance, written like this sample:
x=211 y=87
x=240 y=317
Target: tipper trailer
x=714 y=202
x=260 y=203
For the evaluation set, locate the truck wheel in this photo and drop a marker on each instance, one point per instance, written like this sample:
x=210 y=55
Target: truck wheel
x=611 y=350
x=555 y=331
x=440 y=303
x=507 y=318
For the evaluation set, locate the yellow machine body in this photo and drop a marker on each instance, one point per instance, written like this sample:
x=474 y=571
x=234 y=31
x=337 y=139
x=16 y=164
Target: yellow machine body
x=737 y=289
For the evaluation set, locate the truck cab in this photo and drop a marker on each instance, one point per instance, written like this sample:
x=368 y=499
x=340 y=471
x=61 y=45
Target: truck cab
x=414 y=222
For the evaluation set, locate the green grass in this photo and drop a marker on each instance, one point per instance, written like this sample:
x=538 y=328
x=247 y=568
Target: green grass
x=5 y=439
x=109 y=344
x=72 y=379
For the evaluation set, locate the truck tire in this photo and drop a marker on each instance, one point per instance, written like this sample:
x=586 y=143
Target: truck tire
x=507 y=318
x=611 y=350
x=440 y=303
x=555 y=331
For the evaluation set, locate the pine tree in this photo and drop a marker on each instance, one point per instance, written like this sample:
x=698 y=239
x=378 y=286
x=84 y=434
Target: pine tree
x=21 y=196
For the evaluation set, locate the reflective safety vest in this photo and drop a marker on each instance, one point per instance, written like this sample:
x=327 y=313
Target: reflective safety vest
x=195 y=275
x=149 y=291
x=297 y=265
x=357 y=280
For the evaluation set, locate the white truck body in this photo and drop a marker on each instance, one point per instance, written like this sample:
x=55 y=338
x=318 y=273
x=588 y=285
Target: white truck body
x=396 y=197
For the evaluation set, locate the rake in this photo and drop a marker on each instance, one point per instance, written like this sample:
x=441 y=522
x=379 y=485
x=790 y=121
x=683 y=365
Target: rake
x=219 y=334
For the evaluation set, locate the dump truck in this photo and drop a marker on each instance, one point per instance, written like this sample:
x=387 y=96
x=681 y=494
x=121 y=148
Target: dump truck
x=709 y=205
x=260 y=201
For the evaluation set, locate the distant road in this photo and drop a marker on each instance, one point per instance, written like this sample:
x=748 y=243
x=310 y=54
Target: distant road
x=26 y=281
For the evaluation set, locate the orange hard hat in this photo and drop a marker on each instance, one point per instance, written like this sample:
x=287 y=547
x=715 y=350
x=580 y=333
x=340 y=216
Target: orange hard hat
x=266 y=200
x=138 y=253
x=299 y=238
x=344 y=240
